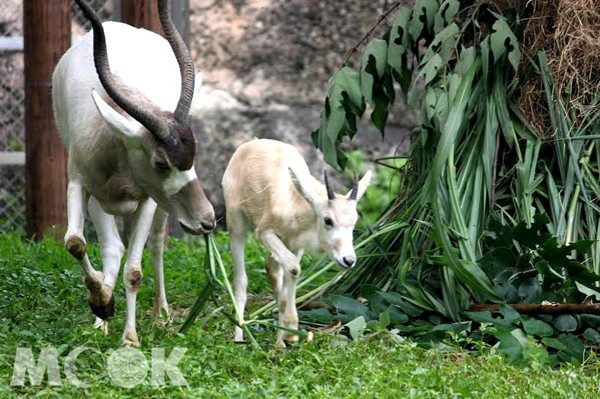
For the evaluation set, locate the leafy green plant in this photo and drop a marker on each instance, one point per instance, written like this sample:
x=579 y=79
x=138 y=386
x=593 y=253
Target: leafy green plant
x=528 y=265
x=477 y=173
x=383 y=188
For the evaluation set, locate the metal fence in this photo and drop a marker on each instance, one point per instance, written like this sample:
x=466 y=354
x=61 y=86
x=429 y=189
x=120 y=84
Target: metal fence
x=12 y=129
x=12 y=109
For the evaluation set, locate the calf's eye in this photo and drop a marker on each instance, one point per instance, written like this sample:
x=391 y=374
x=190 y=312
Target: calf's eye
x=328 y=222
x=160 y=165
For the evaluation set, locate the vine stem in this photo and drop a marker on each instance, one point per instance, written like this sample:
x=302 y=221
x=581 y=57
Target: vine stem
x=381 y=18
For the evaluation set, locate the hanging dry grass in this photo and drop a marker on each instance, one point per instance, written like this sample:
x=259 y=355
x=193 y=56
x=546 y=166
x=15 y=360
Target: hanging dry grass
x=569 y=32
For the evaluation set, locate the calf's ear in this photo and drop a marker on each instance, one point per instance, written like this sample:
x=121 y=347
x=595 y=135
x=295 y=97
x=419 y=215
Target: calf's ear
x=304 y=190
x=361 y=187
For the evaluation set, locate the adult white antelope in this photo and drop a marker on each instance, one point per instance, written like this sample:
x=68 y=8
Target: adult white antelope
x=121 y=101
x=268 y=187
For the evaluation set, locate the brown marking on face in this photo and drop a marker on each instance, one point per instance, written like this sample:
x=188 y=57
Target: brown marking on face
x=181 y=146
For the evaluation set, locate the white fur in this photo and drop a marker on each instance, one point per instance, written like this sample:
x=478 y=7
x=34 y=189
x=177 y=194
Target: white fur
x=177 y=179
x=110 y=160
x=268 y=187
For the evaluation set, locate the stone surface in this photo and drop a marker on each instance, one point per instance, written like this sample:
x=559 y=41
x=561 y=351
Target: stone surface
x=266 y=64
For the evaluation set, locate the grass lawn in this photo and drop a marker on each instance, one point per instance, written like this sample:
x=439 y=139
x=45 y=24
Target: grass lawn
x=43 y=307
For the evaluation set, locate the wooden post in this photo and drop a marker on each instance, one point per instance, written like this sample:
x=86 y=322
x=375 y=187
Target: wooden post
x=141 y=14
x=180 y=10
x=144 y=14
x=47 y=35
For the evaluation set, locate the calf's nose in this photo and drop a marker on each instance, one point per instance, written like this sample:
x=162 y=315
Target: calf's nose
x=349 y=261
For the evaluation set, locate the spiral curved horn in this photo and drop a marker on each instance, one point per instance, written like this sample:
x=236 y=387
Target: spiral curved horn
x=155 y=125
x=184 y=60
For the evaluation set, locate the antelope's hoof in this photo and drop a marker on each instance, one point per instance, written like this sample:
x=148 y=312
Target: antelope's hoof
x=76 y=247
x=103 y=311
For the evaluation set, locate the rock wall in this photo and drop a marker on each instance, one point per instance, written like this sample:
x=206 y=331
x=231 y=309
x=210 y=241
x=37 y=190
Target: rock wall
x=266 y=64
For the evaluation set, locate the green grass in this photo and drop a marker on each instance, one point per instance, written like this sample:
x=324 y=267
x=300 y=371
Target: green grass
x=42 y=304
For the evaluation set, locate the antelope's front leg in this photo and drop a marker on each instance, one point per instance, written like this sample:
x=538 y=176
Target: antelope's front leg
x=111 y=249
x=100 y=297
x=132 y=274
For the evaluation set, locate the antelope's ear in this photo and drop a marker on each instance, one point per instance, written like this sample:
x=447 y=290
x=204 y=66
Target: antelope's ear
x=118 y=123
x=361 y=186
x=304 y=190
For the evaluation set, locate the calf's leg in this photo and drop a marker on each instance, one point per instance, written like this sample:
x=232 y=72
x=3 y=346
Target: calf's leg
x=237 y=243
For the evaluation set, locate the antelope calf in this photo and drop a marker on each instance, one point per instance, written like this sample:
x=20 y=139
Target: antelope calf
x=121 y=100
x=268 y=187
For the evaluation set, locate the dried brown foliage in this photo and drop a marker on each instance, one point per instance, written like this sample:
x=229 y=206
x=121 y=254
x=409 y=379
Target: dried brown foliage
x=569 y=32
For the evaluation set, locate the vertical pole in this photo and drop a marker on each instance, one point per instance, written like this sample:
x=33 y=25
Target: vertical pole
x=144 y=14
x=47 y=35
x=180 y=10
x=141 y=14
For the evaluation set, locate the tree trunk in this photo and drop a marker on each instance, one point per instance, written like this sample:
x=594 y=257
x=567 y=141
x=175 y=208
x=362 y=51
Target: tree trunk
x=141 y=14
x=47 y=35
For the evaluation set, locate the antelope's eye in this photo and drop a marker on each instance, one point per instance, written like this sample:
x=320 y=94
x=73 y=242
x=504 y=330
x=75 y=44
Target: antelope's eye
x=328 y=222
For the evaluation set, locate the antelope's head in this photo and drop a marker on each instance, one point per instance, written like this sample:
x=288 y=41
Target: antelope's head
x=336 y=217
x=161 y=145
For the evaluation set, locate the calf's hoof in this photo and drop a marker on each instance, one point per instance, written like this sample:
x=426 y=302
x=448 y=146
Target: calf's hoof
x=290 y=338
